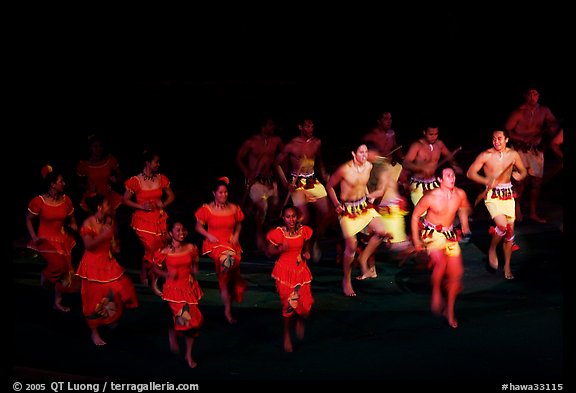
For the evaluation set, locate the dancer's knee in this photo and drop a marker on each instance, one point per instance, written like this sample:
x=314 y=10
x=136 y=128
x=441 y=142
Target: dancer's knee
x=509 y=233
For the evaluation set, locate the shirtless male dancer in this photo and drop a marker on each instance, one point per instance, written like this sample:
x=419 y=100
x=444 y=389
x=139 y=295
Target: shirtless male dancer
x=355 y=213
x=422 y=159
x=498 y=164
x=301 y=159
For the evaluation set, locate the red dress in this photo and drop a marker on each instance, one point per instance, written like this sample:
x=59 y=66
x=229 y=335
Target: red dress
x=291 y=272
x=54 y=244
x=222 y=226
x=106 y=290
x=182 y=291
x=98 y=180
x=150 y=226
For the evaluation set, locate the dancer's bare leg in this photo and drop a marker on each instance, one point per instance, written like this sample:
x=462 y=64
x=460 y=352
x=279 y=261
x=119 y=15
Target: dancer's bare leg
x=58 y=299
x=492 y=254
x=500 y=221
x=379 y=229
x=227 y=300
x=438 y=270
x=226 y=297
x=286 y=334
x=144 y=274
x=260 y=218
x=349 y=253
x=454 y=272
x=173 y=340
x=534 y=197
x=507 y=248
x=369 y=270
x=189 y=345
x=96 y=339
x=299 y=327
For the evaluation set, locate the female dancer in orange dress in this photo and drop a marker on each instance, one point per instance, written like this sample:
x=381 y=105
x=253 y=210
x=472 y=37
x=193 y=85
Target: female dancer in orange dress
x=291 y=272
x=178 y=263
x=149 y=217
x=220 y=224
x=52 y=241
x=106 y=290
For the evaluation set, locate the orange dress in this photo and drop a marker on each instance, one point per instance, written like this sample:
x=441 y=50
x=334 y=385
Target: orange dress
x=54 y=244
x=222 y=226
x=291 y=272
x=150 y=226
x=181 y=291
x=106 y=290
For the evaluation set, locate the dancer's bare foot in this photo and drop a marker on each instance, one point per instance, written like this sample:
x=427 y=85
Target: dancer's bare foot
x=300 y=329
x=96 y=339
x=144 y=277
x=230 y=318
x=451 y=320
x=61 y=308
x=371 y=273
x=535 y=217
x=508 y=274
x=191 y=362
x=348 y=291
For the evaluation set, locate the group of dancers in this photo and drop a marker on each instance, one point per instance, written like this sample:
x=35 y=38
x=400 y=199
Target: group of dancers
x=366 y=195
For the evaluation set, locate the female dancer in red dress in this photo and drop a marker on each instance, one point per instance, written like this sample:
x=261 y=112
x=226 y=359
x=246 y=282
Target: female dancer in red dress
x=178 y=264
x=106 y=290
x=220 y=224
x=99 y=173
x=52 y=241
x=291 y=272
x=149 y=217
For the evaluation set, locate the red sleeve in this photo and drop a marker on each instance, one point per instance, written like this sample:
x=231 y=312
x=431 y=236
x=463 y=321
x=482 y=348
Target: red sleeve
x=35 y=205
x=113 y=163
x=159 y=258
x=194 y=252
x=239 y=215
x=307 y=232
x=164 y=182
x=132 y=185
x=275 y=236
x=69 y=205
x=202 y=214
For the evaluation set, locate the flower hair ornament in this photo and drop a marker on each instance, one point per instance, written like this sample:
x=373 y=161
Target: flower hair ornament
x=224 y=179
x=46 y=169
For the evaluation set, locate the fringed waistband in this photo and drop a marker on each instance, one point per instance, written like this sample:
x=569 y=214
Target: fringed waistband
x=267 y=181
x=427 y=184
x=355 y=208
x=308 y=180
x=525 y=147
x=504 y=191
x=428 y=230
